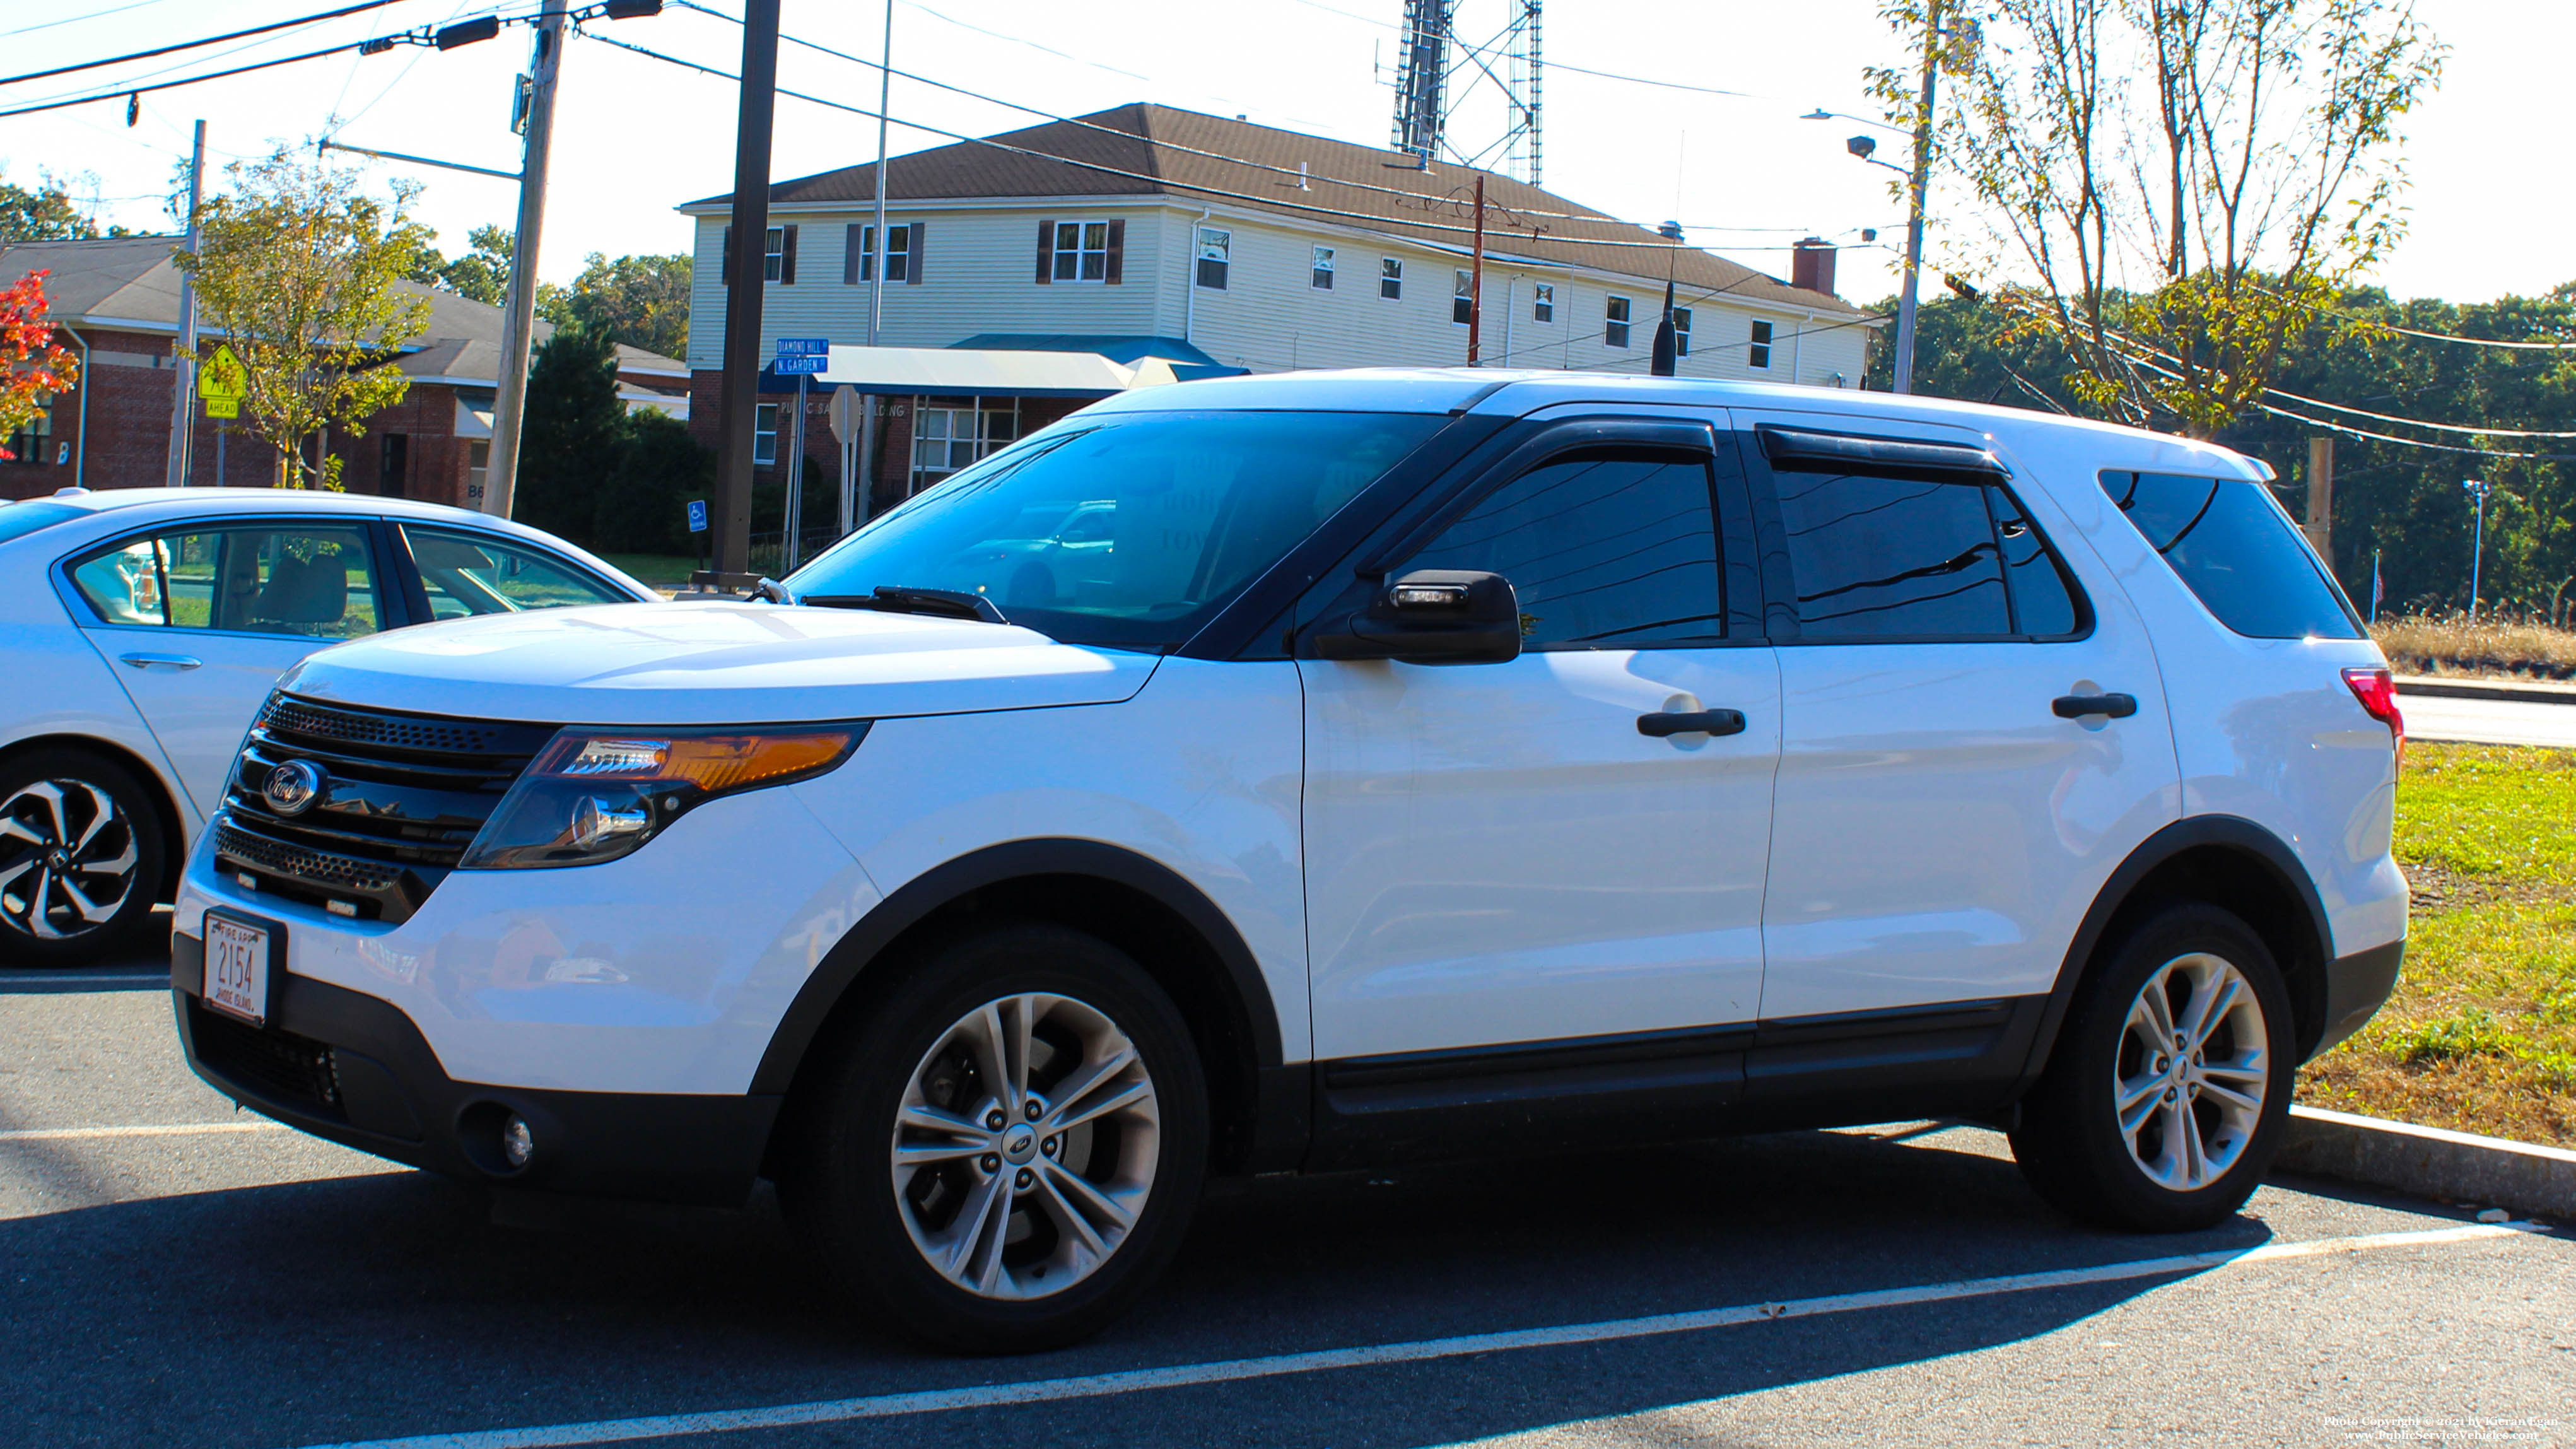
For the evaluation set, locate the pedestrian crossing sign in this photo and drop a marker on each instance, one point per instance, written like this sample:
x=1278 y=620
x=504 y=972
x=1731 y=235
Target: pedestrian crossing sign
x=222 y=382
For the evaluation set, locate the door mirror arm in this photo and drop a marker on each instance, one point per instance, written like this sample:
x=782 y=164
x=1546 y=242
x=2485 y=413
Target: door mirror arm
x=1431 y=616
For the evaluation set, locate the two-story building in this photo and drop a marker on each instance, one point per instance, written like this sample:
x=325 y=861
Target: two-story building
x=1219 y=246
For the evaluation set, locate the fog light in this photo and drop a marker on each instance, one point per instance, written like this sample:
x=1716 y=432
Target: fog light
x=517 y=1143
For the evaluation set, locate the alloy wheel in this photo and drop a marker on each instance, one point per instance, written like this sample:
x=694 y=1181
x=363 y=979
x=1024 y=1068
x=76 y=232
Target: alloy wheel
x=1025 y=1146
x=67 y=859
x=2192 y=1071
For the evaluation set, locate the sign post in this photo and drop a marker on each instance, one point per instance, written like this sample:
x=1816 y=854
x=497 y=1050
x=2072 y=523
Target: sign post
x=803 y=357
x=698 y=526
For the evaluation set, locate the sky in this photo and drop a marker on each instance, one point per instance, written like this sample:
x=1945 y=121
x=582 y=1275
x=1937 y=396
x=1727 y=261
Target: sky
x=636 y=137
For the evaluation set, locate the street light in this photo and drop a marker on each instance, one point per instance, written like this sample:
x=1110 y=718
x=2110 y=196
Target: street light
x=2477 y=488
x=1917 y=179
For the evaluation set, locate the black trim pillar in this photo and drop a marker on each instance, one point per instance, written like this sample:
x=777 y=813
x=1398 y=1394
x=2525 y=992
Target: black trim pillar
x=738 y=400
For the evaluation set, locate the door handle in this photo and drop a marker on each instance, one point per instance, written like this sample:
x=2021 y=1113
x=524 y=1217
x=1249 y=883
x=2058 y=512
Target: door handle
x=161 y=661
x=2077 y=706
x=1706 y=722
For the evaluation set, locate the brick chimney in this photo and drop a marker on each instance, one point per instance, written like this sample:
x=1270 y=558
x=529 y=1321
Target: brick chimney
x=1811 y=265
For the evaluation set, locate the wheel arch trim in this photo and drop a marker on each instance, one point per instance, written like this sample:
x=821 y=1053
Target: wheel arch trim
x=2224 y=833
x=943 y=885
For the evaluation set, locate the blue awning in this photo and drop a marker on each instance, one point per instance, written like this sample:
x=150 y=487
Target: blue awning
x=1188 y=362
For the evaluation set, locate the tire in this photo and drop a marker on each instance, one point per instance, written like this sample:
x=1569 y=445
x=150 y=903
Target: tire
x=911 y=1074
x=82 y=859
x=2201 y=1129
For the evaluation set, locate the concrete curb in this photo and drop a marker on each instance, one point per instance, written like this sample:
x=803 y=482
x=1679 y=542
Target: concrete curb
x=2518 y=691
x=2430 y=1161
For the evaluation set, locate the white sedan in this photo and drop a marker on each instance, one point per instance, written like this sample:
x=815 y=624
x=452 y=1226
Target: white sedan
x=142 y=629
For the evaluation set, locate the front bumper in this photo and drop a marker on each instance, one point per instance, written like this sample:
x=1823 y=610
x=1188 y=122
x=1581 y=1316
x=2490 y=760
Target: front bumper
x=355 y=1069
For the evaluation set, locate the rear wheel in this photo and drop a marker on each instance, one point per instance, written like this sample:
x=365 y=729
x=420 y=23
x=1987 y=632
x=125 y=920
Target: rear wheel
x=81 y=859
x=2168 y=1089
x=1008 y=1147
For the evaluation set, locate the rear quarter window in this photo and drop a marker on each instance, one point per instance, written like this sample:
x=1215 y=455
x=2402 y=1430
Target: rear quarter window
x=2234 y=548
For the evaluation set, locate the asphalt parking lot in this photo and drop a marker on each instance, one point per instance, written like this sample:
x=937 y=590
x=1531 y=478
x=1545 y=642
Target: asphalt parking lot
x=175 y=1273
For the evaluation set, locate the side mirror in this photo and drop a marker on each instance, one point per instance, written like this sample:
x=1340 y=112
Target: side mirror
x=1432 y=616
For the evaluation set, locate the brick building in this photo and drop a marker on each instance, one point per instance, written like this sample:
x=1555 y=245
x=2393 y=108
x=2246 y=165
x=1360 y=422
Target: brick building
x=116 y=302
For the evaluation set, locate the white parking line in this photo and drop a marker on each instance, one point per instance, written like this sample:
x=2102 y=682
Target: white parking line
x=166 y=1129
x=881 y=1406
x=84 y=978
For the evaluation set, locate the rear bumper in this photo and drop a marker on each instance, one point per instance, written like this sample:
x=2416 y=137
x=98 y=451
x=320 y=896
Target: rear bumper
x=353 y=1068
x=2356 y=987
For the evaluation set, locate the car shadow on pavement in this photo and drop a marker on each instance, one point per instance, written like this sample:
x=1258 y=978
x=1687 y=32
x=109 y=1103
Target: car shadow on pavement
x=394 y=1304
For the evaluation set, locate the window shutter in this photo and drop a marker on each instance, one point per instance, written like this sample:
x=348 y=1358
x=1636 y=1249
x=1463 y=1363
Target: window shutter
x=1046 y=252
x=787 y=258
x=912 y=267
x=854 y=252
x=1117 y=263
x=728 y=256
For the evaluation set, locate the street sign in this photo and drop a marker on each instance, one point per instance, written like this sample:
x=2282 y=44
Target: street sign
x=223 y=382
x=801 y=366
x=803 y=355
x=697 y=515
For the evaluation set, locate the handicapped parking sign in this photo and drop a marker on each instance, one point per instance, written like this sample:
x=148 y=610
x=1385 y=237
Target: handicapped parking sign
x=697 y=515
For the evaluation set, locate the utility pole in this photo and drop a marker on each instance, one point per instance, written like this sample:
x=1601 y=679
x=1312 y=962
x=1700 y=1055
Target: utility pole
x=738 y=397
x=1919 y=183
x=2320 y=525
x=183 y=380
x=1476 y=281
x=867 y=402
x=519 y=312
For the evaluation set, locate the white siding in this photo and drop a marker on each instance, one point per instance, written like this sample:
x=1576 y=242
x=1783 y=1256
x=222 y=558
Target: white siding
x=979 y=275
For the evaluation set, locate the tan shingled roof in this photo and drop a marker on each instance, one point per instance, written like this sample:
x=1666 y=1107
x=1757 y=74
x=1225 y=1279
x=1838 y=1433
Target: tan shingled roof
x=132 y=279
x=1521 y=219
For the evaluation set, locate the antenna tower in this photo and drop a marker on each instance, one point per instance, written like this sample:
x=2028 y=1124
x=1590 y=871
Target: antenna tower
x=1490 y=89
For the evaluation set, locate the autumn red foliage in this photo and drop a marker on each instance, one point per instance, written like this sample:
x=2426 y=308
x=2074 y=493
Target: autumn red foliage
x=33 y=366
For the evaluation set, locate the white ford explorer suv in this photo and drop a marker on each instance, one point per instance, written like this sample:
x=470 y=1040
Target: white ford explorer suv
x=1412 y=764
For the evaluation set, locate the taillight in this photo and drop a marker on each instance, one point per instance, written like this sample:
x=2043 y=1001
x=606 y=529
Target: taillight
x=2377 y=691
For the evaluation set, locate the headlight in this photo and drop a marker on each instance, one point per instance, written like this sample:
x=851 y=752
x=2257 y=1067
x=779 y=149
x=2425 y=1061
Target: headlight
x=596 y=794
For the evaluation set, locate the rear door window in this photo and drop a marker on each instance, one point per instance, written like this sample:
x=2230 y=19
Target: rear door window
x=1901 y=558
x=315 y=582
x=2230 y=543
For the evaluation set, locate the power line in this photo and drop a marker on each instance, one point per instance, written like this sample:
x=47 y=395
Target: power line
x=1553 y=64
x=76 y=19
x=182 y=81
x=194 y=44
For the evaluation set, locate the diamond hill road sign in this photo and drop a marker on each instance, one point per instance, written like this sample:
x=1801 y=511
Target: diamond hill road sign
x=804 y=355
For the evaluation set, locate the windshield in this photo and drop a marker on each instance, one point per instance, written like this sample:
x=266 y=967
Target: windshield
x=1129 y=530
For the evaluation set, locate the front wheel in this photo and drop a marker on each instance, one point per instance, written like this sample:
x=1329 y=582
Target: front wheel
x=2169 y=1087
x=1008 y=1148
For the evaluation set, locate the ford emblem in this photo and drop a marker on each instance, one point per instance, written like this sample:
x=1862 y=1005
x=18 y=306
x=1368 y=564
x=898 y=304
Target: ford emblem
x=292 y=788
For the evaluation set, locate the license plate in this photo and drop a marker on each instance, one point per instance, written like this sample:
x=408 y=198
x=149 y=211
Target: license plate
x=240 y=961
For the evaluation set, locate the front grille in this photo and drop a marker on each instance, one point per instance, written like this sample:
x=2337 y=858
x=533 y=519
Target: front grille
x=404 y=796
x=278 y=1065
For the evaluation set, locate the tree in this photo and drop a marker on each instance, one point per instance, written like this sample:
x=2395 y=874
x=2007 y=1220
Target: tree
x=299 y=269
x=33 y=367
x=44 y=214
x=481 y=274
x=574 y=430
x=2174 y=191
x=642 y=301
x=644 y=508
